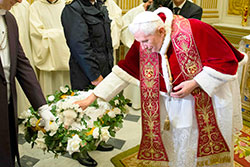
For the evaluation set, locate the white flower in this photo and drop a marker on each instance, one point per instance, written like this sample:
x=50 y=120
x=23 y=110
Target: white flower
x=51 y=98
x=96 y=133
x=64 y=89
x=73 y=144
x=116 y=102
x=116 y=129
x=77 y=126
x=126 y=109
x=40 y=134
x=33 y=121
x=105 y=134
x=52 y=127
x=69 y=116
x=41 y=143
x=59 y=118
x=103 y=105
x=111 y=113
x=90 y=123
x=117 y=111
x=25 y=114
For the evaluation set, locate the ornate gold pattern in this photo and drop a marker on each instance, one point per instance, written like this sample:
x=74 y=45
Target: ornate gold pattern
x=212 y=148
x=185 y=47
x=214 y=159
x=212 y=142
x=235 y=7
x=132 y=161
x=151 y=147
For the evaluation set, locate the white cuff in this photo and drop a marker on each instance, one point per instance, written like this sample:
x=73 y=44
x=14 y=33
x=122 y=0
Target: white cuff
x=109 y=87
x=210 y=80
x=244 y=60
x=114 y=83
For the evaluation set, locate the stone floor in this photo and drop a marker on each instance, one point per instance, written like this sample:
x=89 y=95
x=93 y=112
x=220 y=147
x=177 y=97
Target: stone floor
x=128 y=137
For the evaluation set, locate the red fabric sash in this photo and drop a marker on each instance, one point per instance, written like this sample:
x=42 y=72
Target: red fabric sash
x=151 y=147
x=212 y=147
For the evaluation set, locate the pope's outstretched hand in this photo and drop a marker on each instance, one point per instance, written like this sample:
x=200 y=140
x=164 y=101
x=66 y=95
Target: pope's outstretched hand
x=86 y=102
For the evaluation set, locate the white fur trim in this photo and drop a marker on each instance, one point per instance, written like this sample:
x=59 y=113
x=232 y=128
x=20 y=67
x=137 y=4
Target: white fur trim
x=168 y=23
x=163 y=51
x=210 y=80
x=169 y=17
x=244 y=60
x=125 y=76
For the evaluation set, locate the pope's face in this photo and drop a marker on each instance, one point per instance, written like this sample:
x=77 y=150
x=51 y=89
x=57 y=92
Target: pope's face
x=153 y=42
x=7 y=4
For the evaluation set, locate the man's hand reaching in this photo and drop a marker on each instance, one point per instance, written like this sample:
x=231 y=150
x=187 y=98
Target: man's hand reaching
x=86 y=102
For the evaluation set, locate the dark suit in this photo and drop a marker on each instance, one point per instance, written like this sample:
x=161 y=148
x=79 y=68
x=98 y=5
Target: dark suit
x=189 y=10
x=21 y=69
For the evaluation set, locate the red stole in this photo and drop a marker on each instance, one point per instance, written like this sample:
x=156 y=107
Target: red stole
x=151 y=147
x=212 y=147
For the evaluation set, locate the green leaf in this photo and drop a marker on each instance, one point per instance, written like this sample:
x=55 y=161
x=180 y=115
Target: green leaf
x=112 y=133
x=89 y=138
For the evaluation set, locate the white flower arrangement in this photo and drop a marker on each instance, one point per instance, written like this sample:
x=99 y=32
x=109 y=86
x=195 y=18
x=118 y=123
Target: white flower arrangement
x=74 y=129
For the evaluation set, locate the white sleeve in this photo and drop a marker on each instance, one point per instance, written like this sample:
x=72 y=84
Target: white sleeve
x=114 y=83
x=210 y=80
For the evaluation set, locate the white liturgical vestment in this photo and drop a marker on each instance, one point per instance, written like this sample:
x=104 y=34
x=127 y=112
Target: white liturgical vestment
x=49 y=48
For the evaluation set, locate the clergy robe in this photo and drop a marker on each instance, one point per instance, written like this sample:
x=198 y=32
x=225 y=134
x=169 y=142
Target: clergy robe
x=132 y=92
x=218 y=79
x=115 y=14
x=49 y=49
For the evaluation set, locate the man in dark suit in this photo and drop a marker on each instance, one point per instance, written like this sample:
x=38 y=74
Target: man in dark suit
x=185 y=8
x=14 y=64
x=179 y=7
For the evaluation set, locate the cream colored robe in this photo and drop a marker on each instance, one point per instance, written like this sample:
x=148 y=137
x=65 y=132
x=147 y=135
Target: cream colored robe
x=49 y=48
x=115 y=14
x=126 y=36
x=21 y=13
x=132 y=92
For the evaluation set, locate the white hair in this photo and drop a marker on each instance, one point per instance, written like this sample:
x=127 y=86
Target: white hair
x=148 y=21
